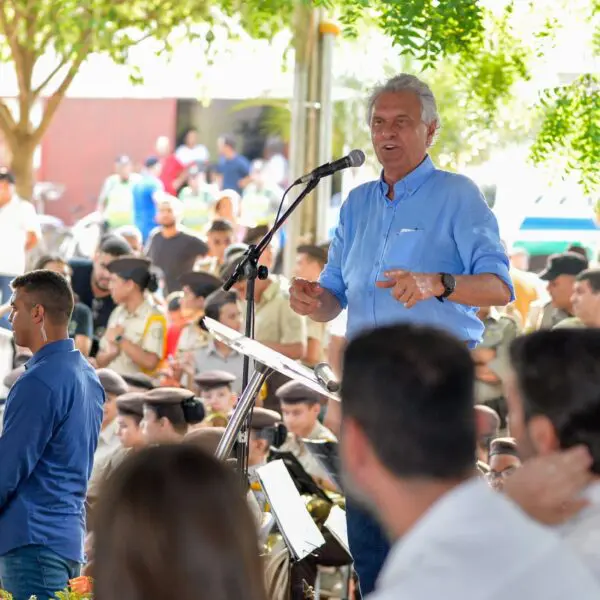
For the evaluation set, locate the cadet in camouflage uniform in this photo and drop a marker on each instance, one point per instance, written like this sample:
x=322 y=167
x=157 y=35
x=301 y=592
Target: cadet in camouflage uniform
x=491 y=358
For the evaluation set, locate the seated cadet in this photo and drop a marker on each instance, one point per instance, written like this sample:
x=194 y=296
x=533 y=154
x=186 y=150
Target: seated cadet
x=217 y=395
x=266 y=430
x=108 y=442
x=168 y=413
x=130 y=411
x=135 y=339
x=300 y=407
x=223 y=307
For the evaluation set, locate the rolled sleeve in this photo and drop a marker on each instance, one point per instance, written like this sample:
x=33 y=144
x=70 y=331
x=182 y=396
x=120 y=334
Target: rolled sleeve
x=331 y=278
x=477 y=237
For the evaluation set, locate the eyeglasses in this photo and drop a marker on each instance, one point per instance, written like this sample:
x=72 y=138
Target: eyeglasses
x=495 y=475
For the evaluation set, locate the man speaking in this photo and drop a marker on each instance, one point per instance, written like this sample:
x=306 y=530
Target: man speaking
x=418 y=245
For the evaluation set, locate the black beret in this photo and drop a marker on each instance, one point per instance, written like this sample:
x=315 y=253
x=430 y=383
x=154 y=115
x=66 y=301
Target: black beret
x=262 y=418
x=139 y=381
x=129 y=267
x=201 y=283
x=214 y=379
x=167 y=395
x=567 y=263
x=112 y=382
x=293 y=392
x=131 y=403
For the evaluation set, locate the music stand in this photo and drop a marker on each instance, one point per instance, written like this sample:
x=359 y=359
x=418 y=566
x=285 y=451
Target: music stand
x=327 y=456
x=265 y=362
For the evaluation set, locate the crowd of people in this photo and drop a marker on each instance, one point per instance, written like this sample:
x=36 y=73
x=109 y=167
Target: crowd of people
x=469 y=421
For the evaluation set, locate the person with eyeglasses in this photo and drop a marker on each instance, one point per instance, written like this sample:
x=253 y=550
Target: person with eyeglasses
x=504 y=460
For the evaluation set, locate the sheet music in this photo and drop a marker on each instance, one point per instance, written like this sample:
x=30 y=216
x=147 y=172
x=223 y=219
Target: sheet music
x=301 y=534
x=336 y=523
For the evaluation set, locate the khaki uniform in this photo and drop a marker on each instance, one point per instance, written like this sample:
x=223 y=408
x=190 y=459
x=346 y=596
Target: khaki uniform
x=192 y=338
x=500 y=330
x=146 y=327
x=544 y=316
x=209 y=264
x=317 y=331
x=570 y=323
x=275 y=322
x=296 y=446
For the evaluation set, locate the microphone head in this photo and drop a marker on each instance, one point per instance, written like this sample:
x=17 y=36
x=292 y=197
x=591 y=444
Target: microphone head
x=357 y=158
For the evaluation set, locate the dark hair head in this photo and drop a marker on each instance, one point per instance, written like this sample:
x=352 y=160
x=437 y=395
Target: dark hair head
x=181 y=140
x=216 y=301
x=228 y=139
x=173 y=522
x=220 y=226
x=50 y=290
x=316 y=253
x=592 y=276
x=410 y=389
x=174 y=301
x=558 y=375
x=577 y=249
x=177 y=405
x=46 y=259
x=114 y=245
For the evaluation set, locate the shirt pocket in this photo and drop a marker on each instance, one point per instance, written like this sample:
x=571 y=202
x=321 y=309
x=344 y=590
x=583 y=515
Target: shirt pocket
x=404 y=249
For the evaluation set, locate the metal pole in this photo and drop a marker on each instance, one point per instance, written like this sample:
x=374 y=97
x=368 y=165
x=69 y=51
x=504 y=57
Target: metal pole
x=329 y=31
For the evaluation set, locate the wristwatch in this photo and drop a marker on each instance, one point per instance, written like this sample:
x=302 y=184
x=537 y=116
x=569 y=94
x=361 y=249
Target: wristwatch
x=449 y=283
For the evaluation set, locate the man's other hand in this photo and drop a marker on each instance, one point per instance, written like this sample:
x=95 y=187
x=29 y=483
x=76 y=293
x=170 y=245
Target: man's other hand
x=409 y=288
x=548 y=488
x=305 y=296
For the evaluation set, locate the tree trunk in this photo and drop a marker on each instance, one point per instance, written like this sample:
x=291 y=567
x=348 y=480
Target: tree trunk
x=23 y=151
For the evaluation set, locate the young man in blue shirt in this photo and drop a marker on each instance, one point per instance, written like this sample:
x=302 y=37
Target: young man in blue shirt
x=233 y=167
x=145 y=193
x=51 y=426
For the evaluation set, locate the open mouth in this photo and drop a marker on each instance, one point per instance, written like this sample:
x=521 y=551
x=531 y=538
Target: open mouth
x=389 y=147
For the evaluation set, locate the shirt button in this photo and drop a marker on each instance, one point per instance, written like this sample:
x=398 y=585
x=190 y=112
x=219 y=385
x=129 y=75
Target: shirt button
x=377 y=264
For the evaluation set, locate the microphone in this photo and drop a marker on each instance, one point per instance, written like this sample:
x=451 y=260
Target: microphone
x=355 y=159
x=325 y=375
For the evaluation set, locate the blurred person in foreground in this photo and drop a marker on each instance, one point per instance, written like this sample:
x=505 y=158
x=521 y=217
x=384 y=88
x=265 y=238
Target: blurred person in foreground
x=192 y=537
x=418 y=245
x=81 y=325
x=407 y=456
x=171 y=247
x=51 y=427
x=554 y=403
x=19 y=231
x=90 y=281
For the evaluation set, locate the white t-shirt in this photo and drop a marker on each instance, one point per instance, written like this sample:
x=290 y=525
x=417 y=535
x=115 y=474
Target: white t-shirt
x=17 y=219
x=186 y=155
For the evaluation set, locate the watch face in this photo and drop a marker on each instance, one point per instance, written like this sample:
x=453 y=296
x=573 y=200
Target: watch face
x=448 y=282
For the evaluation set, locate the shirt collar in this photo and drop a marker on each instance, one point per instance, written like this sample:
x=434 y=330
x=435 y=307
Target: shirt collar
x=109 y=434
x=271 y=291
x=411 y=182
x=494 y=315
x=51 y=348
x=211 y=348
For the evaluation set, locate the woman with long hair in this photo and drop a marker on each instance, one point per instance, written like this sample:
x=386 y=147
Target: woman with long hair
x=172 y=522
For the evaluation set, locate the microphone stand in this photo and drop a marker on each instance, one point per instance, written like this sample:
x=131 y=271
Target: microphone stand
x=249 y=269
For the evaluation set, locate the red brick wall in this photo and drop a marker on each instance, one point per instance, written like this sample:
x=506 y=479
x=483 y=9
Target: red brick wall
x=85 y=137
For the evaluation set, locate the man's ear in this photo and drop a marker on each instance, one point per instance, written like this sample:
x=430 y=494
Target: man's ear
x=431 y=129
x=37 y=314
x=543 y=435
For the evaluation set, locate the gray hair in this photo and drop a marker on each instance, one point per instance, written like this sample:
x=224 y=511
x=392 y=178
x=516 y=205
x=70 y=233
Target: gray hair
x=408 y=83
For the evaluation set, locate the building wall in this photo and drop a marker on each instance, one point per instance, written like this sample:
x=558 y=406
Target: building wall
x=85 y=137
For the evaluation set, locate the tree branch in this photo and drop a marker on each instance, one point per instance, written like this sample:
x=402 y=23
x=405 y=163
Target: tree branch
x=7 y=121
x=36 y=92
x=57 y=96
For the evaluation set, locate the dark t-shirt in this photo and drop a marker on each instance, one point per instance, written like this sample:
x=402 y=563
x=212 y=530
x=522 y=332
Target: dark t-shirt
x=233 y=170
x=175 y=256
x=81 y=282
x=82 y=322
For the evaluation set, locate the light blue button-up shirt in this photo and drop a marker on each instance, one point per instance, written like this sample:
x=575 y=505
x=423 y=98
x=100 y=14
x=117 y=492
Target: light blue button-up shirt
x=438 y=222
